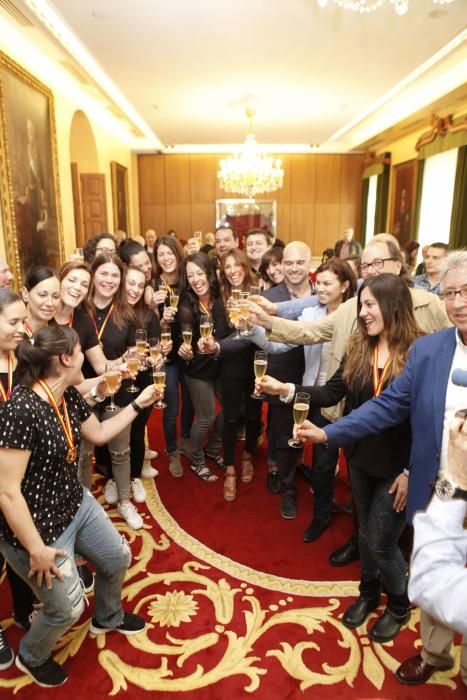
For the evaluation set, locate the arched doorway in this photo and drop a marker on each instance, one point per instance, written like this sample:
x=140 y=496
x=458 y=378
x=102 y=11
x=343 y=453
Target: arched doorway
x=89 y=200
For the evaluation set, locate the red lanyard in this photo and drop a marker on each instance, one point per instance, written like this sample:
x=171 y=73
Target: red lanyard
x=206 y=310
x=70 y=320
x=378 y=381
x=101 y=331
x=6 y=394
x=27 y=329
x=72 y=452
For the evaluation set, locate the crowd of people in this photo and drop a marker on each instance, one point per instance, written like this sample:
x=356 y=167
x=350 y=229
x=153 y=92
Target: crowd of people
x=357 y=354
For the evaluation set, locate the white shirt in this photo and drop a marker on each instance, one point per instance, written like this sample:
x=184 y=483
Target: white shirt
x=438 y=577
x=456 y=398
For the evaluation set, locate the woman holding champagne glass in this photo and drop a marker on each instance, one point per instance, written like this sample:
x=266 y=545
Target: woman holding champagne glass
x=170 y=284
x=202 y=309
x=378 y=464
x=236 y=373
x=115 y=325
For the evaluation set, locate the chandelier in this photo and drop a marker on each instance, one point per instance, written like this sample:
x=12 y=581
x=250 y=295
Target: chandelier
x=251 y=171
x=365 y=6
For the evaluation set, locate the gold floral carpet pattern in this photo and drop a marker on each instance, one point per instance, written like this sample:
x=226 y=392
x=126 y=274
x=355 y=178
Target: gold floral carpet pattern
x=218 y=629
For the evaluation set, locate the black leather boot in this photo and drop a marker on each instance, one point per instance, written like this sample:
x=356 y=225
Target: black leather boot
x=396 y=614
x=368 y=600
x=346 y=554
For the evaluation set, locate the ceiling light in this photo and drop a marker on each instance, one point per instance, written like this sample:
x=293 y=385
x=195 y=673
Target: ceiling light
x=366 y=6
x=251 y=171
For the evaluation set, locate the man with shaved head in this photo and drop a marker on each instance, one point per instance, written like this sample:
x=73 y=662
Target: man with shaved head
x=6 y=275
x=296 y=263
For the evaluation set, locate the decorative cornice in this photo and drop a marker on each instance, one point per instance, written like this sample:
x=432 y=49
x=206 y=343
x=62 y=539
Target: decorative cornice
x=372 y=159
x=440 y=126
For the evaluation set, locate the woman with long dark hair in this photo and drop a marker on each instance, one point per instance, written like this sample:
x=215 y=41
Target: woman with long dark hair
x=270 y=269
x=203 y=301
x=170 y=280
x=378 y=464
x=46 y=514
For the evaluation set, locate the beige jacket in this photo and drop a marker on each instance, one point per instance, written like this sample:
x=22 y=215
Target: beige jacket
x=337 y=327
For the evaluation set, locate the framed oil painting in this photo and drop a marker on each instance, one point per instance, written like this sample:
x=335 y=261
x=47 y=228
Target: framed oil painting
x=403 y=200
x=29 y=182
x=119 y=196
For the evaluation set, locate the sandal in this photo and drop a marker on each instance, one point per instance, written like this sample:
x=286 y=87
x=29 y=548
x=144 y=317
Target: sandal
x=215 y=458
x=247 y=471
x=203 y=472
x=230 y=484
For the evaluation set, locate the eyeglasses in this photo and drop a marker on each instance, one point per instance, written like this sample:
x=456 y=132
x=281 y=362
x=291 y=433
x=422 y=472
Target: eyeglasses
x=377 y=264
x=451 y=294
x=108 y=251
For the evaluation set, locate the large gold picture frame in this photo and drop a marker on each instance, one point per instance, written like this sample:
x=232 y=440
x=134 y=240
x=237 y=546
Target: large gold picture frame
x=120 y=207
x=29 y=181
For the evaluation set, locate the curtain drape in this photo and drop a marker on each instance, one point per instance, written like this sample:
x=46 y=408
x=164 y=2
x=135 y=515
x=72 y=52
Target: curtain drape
x=366 y=184
x=382 y=190
x=458 y=233
x=418 y=201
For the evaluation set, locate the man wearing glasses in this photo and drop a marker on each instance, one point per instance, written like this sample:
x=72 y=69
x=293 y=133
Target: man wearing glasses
x=382 y=254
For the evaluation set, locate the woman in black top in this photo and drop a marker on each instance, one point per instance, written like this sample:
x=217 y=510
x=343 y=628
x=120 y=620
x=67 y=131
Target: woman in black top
x=114 y=322
x=46 y=515
x=170 y=279
x=237 y=377
x=378 y=465
x=202 y=370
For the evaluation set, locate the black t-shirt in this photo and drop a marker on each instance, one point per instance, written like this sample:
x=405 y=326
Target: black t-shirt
x=50 y=485
x=86 y=330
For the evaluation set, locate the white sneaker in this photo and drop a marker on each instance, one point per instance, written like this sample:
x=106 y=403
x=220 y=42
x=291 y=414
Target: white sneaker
x=150 y=454
x=130 y=515
x=148 y=472
x=139 y=492
x=110 y=492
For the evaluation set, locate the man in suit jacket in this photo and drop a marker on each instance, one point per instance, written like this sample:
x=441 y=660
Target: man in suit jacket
x=425 y=393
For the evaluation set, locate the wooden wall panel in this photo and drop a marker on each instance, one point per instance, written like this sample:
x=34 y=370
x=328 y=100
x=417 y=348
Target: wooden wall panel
x=177 y=179
x=351 y=179
x=328 y=179
x=302 y=174
x=151 y=178
x=154 y=216
x=327 y=230
x=179 y=219
x=203 y=217
x=202 y=179
x=321 y=195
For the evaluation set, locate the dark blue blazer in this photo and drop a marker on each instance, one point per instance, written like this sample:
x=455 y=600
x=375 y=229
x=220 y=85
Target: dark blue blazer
x=419 y=393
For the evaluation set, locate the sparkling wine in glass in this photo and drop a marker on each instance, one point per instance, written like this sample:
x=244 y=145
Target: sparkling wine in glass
x=132 y=361
x=235 y=318
x=245 y=312
x=187 y=333
x=155 y=351
x=236 y=293
x=205 y=328
x=141 y=339
x=158 y=378
x=112 y=378
x=260 y=366
x=301 y=406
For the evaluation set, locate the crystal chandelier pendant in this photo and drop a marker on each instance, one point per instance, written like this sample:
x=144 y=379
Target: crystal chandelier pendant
x=251 y=171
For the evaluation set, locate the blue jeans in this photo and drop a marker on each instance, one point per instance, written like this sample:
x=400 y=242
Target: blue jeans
x=173 y=377
x=203 y=394
x=380 y=527
x=92 y=535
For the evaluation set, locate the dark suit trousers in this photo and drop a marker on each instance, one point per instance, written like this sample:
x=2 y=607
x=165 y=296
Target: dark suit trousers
x=281 y=418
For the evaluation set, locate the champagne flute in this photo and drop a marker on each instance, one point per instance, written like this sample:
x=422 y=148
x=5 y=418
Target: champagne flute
x=260 y=366
x=112 y=378
x=132 y=361
x=187 y=333
x=173 y=299
x=155 y=350
x=235 y=318
x=301 y=406
x=141 y=339
x=166 y=337
x=236 y=293
x=205 y=328
x=198 y=236
x=245 y=312
x=77 y=255
x=158 y=378
x=255 y=293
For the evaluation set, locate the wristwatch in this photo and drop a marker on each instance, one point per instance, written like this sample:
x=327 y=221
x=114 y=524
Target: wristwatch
x=446 y=490
x=95 y=396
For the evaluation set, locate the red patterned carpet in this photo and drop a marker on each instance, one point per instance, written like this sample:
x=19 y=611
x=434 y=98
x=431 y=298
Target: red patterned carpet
x=237 y=606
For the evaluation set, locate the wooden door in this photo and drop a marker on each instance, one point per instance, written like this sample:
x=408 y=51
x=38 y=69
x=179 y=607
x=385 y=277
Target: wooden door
x=77 y=205
x=94 y=204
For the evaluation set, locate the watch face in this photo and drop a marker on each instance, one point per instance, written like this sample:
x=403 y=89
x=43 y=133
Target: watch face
x=444 y=489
